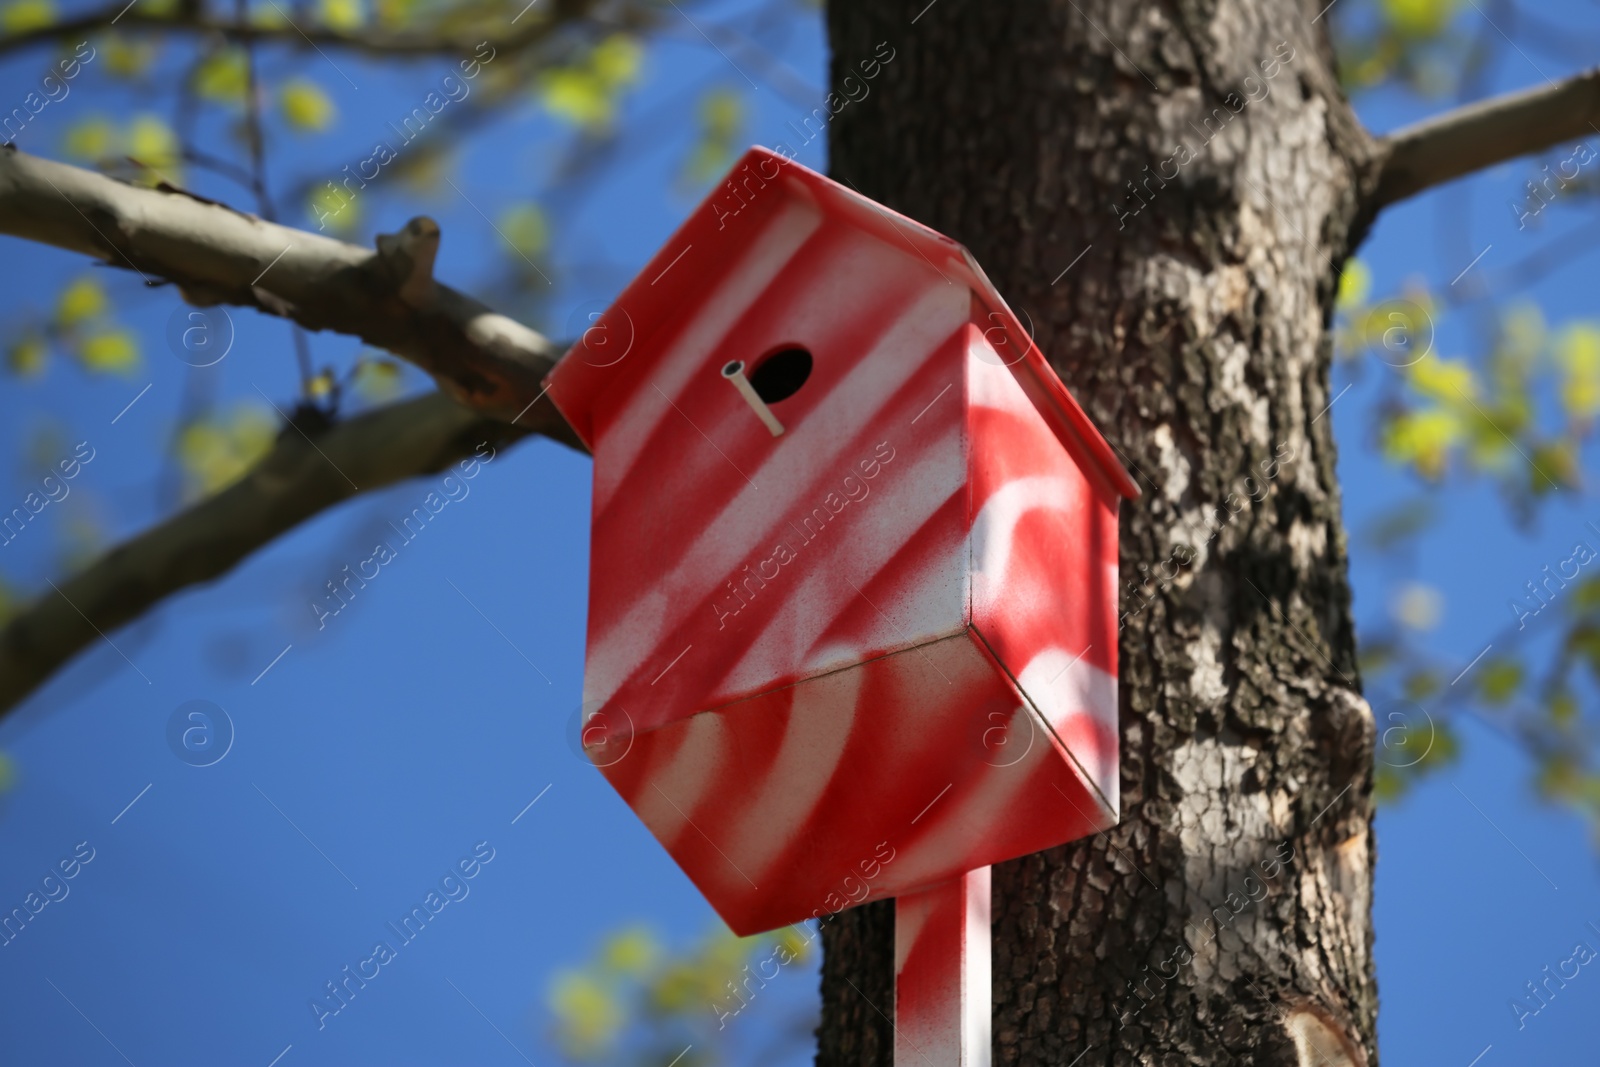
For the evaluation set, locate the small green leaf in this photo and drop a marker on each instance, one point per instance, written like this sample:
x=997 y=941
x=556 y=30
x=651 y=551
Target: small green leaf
x=1355 y=282
x=112 y=351
x=588 y=1015
x=215 y=452
x=23 y=15
x=632 y=952
x=1388 y=784
x=721 y=114
x=615 y=60
x=27 y=356
x=1419 y=685
x=91 y=139
x=1584 y=642
x=223 y=77
x=525 y=228
x=1559 y=776
x=322 y=385
x=1586 y=597
x=342 y=14
x=154 y=145
x=399 y=12
x=1552 y=465
x=1419 y=18
x=377 y=380
x=576 y=96
x=1423 y=439
x=1498 y=680
x=333 y=208
x=81 y=300
x=586 y=93
x=306 y=106
x=1446 y=380
x=1578 y=355
x=128 y=58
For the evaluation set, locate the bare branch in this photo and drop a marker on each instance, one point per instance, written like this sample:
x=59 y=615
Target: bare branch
x=370 y=42
x=295 y=481
x=1480 y=135
x=217 y=255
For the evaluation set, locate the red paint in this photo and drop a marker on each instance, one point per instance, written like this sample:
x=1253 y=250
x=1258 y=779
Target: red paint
x=893 y=622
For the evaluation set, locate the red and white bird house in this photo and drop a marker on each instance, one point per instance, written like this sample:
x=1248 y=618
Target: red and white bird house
x=853 y=578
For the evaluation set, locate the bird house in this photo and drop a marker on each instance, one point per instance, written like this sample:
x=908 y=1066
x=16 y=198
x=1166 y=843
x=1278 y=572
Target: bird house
x=853 y=577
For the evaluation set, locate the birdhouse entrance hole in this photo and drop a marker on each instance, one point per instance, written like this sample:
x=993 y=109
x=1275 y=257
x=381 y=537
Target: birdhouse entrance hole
x=780 y=375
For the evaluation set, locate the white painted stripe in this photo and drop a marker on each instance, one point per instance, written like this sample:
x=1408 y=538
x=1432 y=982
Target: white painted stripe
x=949 y=827
x=977 y=1013
x=682 y=781
x=1063 y=685
x=791 y=476
x=995 y=528
x=789 y=791
x=761 y=264
x=870 y=535
x=943 y=981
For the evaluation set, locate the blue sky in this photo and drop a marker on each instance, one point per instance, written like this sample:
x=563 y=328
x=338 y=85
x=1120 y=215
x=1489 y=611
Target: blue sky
x=370 y=756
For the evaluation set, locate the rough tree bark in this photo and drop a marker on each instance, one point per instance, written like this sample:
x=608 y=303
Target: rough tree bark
x=1189 y=312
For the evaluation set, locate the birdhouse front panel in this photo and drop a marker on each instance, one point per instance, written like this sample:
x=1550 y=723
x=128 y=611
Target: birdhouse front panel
x=735 y=549
x=852 y=546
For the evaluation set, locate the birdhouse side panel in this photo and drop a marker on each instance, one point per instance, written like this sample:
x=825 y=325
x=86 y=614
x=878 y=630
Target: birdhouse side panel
x=725 y=554
x=1044 y=565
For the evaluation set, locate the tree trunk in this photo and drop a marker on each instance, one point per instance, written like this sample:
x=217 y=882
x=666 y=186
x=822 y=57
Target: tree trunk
x=1184 y=295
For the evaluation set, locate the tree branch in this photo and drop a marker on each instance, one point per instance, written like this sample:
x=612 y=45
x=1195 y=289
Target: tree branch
x=370 y=42
x=1480 y=135
x=293 y=482
x=217 y=255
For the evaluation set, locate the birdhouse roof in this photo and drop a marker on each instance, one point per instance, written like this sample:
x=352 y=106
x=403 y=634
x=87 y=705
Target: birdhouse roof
x=628 y=337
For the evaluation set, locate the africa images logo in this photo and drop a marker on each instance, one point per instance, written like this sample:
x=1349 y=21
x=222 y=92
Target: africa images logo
x=743 y=587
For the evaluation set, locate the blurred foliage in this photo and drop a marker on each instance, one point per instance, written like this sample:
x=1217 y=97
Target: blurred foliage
x=1412 y=41
x=586 y=92
x=305 y=105
x=341 y=14
x=222 y=77
x=1518 y=415
x=377 y=379
x=720 y=136
x=525 y=229
x=1515 y=411
x=82 y=327
x=21 y=15
x=129 y=58
x=636 y=1002
x=217 y=450
x=1427 y=747
x=144 y=149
